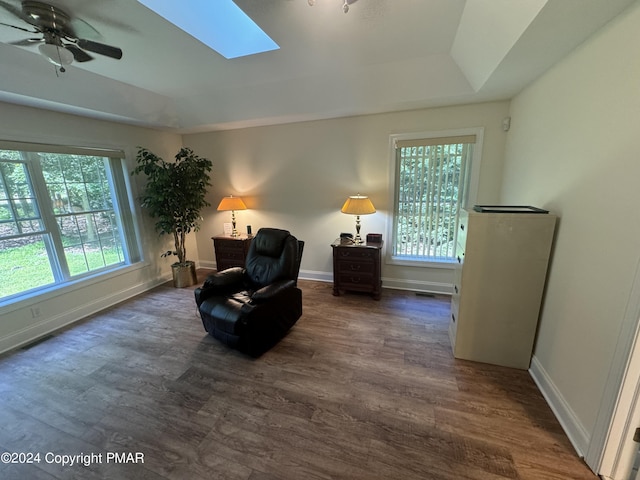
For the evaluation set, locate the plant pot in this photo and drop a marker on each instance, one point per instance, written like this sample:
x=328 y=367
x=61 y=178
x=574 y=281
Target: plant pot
x=184 y=274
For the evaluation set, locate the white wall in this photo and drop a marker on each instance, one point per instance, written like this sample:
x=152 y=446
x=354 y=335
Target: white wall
x=293 y=176
x=573 y=149
x=297 y=176
x=62 y=306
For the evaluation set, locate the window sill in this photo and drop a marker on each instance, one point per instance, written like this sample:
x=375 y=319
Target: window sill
x=424 y=263
x=52 y=291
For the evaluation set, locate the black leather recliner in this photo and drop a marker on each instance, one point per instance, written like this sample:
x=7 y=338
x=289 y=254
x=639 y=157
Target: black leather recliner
x=252 y=308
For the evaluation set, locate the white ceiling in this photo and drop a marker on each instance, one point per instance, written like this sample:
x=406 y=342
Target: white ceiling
x=383 y=55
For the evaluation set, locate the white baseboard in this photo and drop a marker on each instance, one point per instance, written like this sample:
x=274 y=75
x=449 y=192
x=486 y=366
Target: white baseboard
x=578 y=435
x=304 y=274
x=35 y=331
x=206 y=264
x=417 y=286
x=387 y=282
x=316 y=275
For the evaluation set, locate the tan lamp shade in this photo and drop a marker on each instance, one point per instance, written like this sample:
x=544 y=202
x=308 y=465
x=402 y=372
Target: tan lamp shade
x=231 y=203
x=358 y=205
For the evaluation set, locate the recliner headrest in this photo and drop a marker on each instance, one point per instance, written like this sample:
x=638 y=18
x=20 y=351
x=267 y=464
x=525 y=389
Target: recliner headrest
x=273 y=255
x=269 y=241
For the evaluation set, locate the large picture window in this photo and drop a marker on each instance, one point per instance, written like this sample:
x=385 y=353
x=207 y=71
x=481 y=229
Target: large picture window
x=62 y=215
x=432 y=177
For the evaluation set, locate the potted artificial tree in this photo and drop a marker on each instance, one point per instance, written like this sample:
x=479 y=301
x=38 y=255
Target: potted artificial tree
x=174 y=195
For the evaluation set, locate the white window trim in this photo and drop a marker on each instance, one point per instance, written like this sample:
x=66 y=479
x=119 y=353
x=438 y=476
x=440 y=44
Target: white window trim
x=133 y=238
x=469 y=200
x=60 y=289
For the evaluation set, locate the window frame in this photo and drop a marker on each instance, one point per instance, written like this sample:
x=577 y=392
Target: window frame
x=124 y=209
x=469 y=196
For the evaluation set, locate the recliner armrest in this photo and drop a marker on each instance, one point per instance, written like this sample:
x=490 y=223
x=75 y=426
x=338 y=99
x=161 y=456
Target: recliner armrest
x=270 y=291
x=219 y=283
x=225 y=278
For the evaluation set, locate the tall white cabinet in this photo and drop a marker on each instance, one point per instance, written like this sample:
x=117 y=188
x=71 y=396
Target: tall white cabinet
x=499 y=281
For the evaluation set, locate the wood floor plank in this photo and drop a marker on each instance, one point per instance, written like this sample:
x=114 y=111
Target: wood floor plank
x=358 y=390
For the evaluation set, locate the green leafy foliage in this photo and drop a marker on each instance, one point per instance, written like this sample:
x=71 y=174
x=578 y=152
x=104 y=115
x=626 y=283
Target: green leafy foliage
x=174 y=194
x=25 y=265
x=431 y=182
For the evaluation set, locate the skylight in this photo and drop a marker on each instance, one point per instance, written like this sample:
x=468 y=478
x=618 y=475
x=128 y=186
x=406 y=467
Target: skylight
x=219 y=24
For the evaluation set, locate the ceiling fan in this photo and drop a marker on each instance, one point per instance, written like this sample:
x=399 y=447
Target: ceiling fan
x=345 y=5
x=60 y=42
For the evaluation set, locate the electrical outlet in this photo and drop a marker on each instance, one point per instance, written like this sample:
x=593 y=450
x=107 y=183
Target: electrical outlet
x=35 y=312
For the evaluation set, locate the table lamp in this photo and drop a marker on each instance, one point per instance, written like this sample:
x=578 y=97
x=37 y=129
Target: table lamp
x=358 y=205
x=232 y=203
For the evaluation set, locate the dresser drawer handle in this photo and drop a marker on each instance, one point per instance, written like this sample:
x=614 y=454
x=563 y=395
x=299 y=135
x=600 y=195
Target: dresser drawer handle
x=354 y=267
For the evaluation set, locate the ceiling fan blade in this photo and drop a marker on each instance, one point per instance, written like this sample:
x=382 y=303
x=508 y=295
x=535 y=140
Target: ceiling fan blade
x=79 y=55
x=83 y=29
x=27 y=42
x=16 y=11
x=100 y=48
x=18 y=28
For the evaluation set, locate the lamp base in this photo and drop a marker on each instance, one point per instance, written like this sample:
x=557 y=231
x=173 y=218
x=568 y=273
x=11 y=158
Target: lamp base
x=358 y=239
x=234 y=232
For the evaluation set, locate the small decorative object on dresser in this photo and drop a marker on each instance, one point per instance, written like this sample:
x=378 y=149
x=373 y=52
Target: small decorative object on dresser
x=374 y=238
x=357 y=267
x=231 y=251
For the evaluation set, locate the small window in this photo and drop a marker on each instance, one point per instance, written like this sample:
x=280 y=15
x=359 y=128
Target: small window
x=61 y=216
x=432 y=181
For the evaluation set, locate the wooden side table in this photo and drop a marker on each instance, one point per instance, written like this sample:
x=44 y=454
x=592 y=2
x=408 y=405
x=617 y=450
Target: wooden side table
x=231 y=251
x=357 y=267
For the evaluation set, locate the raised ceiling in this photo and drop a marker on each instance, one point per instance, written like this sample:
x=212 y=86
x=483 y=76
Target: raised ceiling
x=383 y=55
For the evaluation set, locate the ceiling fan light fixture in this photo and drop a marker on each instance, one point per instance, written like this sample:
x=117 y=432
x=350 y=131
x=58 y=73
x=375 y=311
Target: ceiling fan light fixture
x=56 y=54
x=345 y=5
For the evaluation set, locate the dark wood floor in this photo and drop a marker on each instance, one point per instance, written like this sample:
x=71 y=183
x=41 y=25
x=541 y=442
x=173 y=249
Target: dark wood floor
x=359 y=390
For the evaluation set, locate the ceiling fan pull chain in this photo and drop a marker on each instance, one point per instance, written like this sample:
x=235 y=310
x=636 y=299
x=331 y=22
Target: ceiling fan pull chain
x=62 y=69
